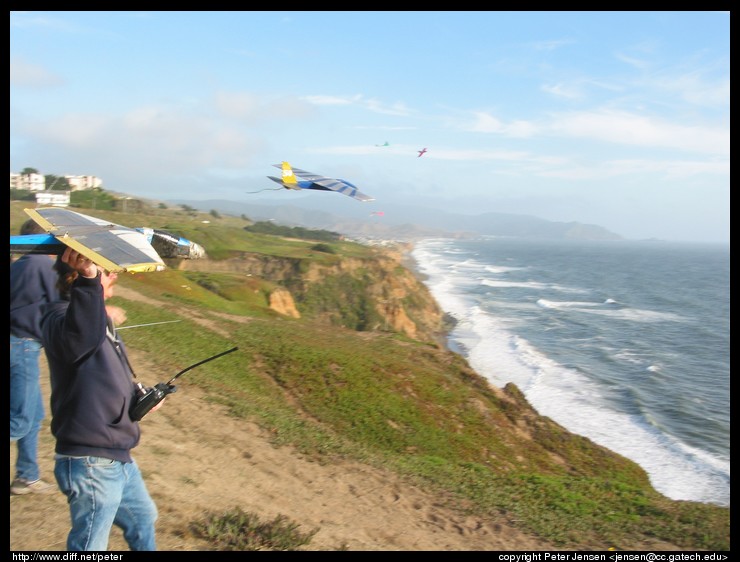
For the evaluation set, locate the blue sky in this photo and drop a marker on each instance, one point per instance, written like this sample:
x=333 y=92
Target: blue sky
x=620 y=119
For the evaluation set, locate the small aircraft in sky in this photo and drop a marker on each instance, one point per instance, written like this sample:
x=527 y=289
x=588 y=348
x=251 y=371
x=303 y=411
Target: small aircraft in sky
x=386 y=143
x=315 y=181
x=421 y=152
x=111 y=246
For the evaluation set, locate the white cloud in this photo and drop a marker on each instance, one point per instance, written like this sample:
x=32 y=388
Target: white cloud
x=385 y=127
x=159 y=142
x=667 y=169
x=372 y=104
x=29 y=75
x=236 y=105
x=250 y=108
x=394 y=109
x=484 y=122
x=671 y=168
x=693 y=89
x=637 y=130
x=27 y=20
x=332 y=100
x=562 y=90
x=551 y=45
x=640 y=64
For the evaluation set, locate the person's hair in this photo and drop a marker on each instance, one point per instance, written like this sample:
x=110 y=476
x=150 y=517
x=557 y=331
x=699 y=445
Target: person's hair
x=31 y=227
x=65 y=277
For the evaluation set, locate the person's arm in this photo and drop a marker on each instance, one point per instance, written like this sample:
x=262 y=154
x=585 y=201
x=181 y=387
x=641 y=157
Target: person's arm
x=48 y=279
x=84 y=326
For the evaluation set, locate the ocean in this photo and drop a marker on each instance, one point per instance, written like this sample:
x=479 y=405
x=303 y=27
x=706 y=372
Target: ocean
x=624 y=342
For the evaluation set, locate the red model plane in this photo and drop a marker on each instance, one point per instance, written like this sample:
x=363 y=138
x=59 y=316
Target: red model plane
x=421 y=152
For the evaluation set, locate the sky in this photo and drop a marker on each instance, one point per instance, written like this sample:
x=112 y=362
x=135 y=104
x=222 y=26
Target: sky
x=617 y=119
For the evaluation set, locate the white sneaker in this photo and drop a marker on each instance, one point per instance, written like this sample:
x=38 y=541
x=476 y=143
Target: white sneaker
x=20 y=487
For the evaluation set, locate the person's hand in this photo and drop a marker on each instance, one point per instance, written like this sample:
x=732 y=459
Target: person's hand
x=81 y=264
x=116 y=313
x=158 y=405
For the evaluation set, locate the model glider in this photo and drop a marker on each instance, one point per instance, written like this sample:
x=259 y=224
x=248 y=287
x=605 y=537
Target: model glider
x=384 y=144
x=111 y=246
x=421 y=152
x=314 y=181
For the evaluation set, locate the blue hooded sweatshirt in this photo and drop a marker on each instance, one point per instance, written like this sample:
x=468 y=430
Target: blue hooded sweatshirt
x=92 y=385
x=32 y=283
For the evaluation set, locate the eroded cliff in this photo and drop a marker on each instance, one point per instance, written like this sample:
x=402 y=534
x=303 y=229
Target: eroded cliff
x=377 y=293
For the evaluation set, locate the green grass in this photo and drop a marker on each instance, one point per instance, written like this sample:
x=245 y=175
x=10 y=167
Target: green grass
x=401 y=404
x=239 y=530
x=388 y=400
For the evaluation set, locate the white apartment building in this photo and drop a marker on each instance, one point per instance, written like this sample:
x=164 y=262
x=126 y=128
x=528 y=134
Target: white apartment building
x=32 y=182
x=78 y=183
x=53 y=198
x=37 y=182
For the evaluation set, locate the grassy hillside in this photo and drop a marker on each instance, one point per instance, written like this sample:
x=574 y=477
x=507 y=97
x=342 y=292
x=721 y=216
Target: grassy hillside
x=386 y=399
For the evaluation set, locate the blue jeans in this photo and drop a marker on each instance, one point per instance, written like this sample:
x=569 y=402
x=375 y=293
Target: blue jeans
x=102 y=492
x=26 y=405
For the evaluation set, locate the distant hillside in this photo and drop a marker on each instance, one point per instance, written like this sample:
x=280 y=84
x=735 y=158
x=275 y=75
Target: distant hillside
x=402 y=222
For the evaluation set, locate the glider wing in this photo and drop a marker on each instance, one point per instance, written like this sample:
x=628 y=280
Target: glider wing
x=111 y=246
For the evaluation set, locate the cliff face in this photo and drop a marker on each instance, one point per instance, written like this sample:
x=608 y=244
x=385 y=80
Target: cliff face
x=365 y=294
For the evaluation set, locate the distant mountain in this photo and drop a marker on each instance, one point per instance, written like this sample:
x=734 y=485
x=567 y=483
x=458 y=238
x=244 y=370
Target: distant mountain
x=401 y=222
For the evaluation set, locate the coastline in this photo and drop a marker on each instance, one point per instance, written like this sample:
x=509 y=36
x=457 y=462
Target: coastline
x=513 y=361
x=409 y=262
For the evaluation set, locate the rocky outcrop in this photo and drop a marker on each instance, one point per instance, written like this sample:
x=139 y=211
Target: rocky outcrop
x=281 y=301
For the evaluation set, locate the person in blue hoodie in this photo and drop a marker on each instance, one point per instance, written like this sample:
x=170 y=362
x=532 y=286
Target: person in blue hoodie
x=92 y=389
x=32 y=284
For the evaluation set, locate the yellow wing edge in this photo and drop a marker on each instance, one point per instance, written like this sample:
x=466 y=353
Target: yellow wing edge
x=41 y=221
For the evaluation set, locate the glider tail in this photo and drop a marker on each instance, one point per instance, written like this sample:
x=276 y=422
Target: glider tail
x=289 y=178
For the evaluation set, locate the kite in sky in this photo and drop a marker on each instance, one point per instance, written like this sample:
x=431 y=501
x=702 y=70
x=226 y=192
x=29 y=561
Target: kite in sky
x=421 y=152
